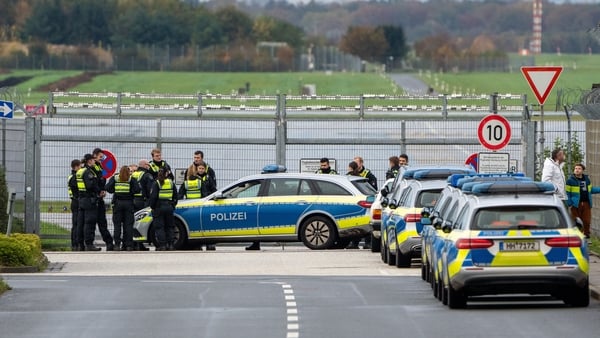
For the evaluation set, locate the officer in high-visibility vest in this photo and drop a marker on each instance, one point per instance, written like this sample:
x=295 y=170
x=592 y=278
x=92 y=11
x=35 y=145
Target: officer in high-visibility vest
x=88 y=190
x=157 y=163
x=199 y=183
x=325 y=167
x=145 y=180
x=123 y=187
x=163 y=199
x=101 y=215
x=76 y=238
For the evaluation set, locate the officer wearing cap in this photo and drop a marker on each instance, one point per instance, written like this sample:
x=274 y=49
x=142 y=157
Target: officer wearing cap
x=88 y=191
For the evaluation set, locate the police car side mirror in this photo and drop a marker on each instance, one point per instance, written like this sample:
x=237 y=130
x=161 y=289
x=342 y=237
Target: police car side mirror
x=393 y=204
x=385 y=191
x=384 y=202
x=447 y=227
x=219 y=196
x=426 y=212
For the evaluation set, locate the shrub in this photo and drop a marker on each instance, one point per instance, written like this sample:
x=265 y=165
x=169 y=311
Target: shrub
x=22 y=250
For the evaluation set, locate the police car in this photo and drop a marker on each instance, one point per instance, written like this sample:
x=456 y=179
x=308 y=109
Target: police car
x=403 y=227
x=322 y=211
x=450 y=202
x=513 y=237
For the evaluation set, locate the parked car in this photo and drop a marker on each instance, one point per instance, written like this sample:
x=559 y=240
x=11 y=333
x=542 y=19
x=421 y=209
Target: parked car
x=322 y=211
x=513 y=237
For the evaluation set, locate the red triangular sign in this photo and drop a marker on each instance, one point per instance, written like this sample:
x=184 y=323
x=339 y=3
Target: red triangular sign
x=541 y=80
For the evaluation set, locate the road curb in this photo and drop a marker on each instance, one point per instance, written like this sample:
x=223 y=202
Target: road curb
x=19 y=269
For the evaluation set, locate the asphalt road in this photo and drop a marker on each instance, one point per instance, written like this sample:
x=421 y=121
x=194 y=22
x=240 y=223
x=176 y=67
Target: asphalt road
x=271 y=293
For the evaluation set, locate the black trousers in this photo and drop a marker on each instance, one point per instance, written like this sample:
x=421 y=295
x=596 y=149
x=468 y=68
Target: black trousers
x=123 y=220
x=76 y=241
x=102 y=223
x=163 y=223
x=138 y=203
x=87 y=216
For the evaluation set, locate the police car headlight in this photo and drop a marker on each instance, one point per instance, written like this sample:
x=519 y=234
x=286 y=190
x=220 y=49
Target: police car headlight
x=140 y=215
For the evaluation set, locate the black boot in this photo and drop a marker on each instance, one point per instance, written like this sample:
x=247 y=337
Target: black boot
x=92 y=247
x=254 y=246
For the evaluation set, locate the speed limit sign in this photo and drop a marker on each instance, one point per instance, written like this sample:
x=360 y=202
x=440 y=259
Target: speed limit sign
x=494 y=132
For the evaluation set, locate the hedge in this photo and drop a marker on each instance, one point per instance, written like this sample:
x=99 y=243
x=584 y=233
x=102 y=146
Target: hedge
x=21 y=250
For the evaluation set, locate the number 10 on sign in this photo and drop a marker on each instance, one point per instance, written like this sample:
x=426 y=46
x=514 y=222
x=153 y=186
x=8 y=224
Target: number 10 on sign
x=494 y=132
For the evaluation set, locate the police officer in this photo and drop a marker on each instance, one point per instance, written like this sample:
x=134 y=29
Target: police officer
x=123 y=187
x=394 y=167
x=140 y=199
x=163 y=199
x=76 y=238
x=198 y=184
x=364 y=172
x=88 y=191
x=157 y=163
x=101 y=215
x=325 y=168
x=199 y=158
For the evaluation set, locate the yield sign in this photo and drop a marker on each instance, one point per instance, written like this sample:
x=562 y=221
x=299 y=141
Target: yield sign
x=541 y=80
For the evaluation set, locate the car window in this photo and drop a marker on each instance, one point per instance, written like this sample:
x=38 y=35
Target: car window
x=305 y=188
x=461 y=220
x=244 y=190
x=330 y=188
x=404 y=197
x=283 y=187
x=533 y=217
x=427 y=198
x=364 y=187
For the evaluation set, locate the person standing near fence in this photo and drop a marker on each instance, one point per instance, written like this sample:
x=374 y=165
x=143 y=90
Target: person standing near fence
x=579 y=197
x=325 y=167
x=158 y=163
x=553 y=172
x=123 y=187
x=76 y=238
x=88 y=191
x=163 y=199
x=145 y=180
x=101 y=215
x=394 y=162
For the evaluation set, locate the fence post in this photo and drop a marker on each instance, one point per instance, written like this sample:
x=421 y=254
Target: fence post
x=494 y=103
x=403 y=137
x=528 y=147
x=119 y=100
x=445 y=106
x=361 y=112
x=50 y=108
x=159 y=133
x=280 y=131
x=199 y=105
x=32 y=167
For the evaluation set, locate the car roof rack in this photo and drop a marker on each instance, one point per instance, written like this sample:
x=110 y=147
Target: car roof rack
x=512 y=187
x=435 y=173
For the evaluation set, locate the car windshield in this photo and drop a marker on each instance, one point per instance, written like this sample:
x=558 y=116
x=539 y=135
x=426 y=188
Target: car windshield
x=242 y=190
x=503 y=218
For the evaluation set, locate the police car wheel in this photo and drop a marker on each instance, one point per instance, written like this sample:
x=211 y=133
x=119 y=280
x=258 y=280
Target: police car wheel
x=179 y=235
x=318 y=233
x=402 y=260
x=578 y=297
x=424 y=271
x=456 y=298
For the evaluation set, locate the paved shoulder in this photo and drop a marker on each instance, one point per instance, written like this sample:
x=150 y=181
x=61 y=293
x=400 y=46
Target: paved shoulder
x=410 y=83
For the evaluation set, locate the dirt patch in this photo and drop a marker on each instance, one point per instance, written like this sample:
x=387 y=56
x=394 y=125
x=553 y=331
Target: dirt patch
x=70 y=82
x=13 y=81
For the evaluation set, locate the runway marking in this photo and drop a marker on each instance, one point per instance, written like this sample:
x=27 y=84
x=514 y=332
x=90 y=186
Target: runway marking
x=293 y=327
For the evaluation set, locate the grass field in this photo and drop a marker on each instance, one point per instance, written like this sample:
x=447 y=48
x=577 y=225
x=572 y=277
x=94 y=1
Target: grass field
x=580 y=71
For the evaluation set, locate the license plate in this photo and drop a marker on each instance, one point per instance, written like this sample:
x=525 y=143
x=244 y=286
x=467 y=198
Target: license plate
x=519 y=246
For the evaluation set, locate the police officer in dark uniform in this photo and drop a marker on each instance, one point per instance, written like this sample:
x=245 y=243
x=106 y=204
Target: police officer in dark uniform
x=163 y=199
x=325 y=167
x=88 y=191
x=123 y=187
x=157 y=163
x=145 y=180
x=394 y=167
x=200 y=182
x=102 y=223
x=363 y=172
x=76 y=238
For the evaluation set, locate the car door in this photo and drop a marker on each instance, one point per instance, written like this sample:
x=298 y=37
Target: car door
x=284 y=202
x=232 y=213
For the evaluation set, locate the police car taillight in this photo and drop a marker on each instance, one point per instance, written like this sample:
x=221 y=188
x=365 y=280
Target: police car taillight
x=474 y=243
x=365 y=204
x=564 y=242
x=376 y=213
x=412 y=218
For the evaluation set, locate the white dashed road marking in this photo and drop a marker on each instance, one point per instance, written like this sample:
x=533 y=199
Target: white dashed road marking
x=293 y=327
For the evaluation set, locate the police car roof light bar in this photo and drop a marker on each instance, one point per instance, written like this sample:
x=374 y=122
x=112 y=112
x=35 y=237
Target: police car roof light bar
x=513 y=187
x=273 y=168
x=453 y=180
x=441 y=173
x=460 y=183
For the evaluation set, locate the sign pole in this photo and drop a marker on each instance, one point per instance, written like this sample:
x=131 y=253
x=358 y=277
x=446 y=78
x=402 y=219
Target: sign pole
x=542 y=139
